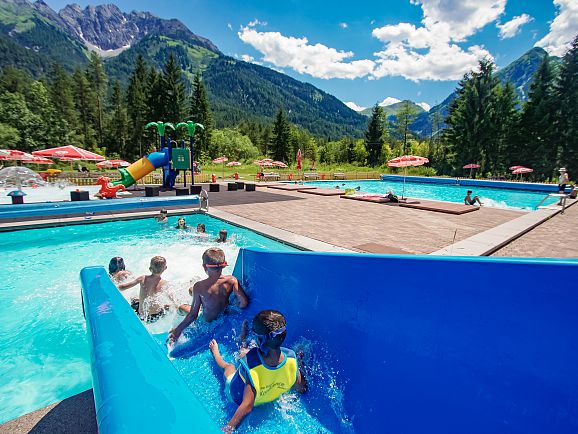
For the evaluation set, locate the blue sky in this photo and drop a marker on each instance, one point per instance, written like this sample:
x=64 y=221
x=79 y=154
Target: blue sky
x=366 y=51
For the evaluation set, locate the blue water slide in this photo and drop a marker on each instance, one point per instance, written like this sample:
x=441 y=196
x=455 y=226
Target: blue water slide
x=432 y=344
x=136 y=387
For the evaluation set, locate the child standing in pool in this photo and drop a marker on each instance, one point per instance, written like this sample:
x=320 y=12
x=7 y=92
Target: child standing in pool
x=148 y=306
x=117 y=270
x=265 y=372
x=212 y=293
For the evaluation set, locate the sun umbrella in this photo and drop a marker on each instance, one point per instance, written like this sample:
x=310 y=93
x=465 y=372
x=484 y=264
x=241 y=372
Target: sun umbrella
x=266 y=160
x=521 y=170
x=220 y=160
x=233 y=163
x=38 y=160
x=279 y=164
x=14 y=155
x=407 y=161
x=471 y=166
x=69 y=153
x=299 y=159
x=112 y=163
x=515 y=167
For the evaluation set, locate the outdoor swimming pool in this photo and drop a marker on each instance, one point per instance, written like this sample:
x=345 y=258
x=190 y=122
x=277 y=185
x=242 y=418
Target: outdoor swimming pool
x=491 y=197
x=43 y=351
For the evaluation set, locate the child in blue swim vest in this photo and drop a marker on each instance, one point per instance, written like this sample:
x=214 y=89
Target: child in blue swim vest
x=265 y=372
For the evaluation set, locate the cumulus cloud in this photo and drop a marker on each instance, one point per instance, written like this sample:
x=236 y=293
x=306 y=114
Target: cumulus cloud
x=430 y=51
x=389 y=101
x=512 y=27
x=562 y=30
x=256 y=22
x=316 y=60
x=354 y=106
x=424 y=105
x=343 y=25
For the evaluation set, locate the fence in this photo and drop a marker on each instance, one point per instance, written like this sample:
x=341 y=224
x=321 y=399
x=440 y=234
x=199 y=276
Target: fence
x=83 y=179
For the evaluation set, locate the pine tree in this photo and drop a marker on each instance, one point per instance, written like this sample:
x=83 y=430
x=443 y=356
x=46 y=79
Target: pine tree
x=173 y=95
x=403 y=119
x=137 y=109
x=374 y=136
x=506 y=118
x=535 y=143
x=62 y=99
x=116 y=130
x=83 y=98
x=97 y=80
x=567 y=122
x=200 y=112
x=280 y=145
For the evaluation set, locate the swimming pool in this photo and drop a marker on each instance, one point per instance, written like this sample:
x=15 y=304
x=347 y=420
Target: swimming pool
x=491 y=197
x=43 y=351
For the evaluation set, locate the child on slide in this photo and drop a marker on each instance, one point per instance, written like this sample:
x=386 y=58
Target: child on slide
x=264 y=373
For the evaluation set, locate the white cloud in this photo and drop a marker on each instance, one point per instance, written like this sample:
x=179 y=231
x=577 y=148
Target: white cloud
x=256 y=22
x=354 y=106
x=389 y=101
x=343 y=25
x=562 y=30
x=316 y=60
x=230 y=26
x=512 y=27
x=431 y=52
x=424 y=105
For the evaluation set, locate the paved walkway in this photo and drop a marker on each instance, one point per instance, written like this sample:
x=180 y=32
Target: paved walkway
x=348 y=223
x=555 y=238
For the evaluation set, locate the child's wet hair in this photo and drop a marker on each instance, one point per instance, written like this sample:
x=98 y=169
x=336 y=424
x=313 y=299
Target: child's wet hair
x=270 y=321
x=201 y=227
x=116 y=264
x=215 y=258
x=158 y=264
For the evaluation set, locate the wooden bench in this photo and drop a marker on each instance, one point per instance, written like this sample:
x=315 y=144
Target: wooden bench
x=339 y=175
x=311 y=175
x=271 y=176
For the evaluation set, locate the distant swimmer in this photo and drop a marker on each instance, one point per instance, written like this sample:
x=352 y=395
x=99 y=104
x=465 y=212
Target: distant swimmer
x=265 y=372
x=162 y=216
x=201 y=228
x=222 y=238
x=212 y=293
x=468 y=200
x=182 y=224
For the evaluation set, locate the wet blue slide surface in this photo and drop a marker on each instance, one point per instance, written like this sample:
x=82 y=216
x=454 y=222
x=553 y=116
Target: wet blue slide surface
x=419 y=344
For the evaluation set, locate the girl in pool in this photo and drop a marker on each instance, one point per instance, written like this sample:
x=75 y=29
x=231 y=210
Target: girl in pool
x=117 y=270
x=182 y=224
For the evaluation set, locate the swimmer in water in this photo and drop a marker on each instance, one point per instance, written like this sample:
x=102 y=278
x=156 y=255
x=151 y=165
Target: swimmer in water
x=201 y=228
x=162 y=216
x=182 y=224
x=212 y=293
x=265 y=372
x=117 y=270
x=222 y=238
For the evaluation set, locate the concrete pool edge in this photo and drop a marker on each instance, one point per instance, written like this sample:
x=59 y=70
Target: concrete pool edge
x=487 y=242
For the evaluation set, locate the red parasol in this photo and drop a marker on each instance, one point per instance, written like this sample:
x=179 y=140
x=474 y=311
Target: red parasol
x=68 y=153
x=515 y=167
x=521 y=170
x=279 y=164
x=14 y=154
x=407 y=161
x=471 y=166
x=38 y=160
x=233 y=163
x=222 y=160
x=112 y=163
x=299 y=159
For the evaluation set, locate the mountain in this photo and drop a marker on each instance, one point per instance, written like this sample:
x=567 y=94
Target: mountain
x=32 y=36
x=520 y=73
x=392 y=109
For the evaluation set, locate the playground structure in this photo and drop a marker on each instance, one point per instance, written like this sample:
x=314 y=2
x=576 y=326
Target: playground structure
x=170 y=158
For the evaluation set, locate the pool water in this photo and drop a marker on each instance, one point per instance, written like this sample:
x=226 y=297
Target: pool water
x=44 y=355
x=491 y=197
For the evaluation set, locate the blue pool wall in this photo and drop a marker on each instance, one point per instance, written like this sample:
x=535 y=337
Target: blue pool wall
x=531 y=186
x=44 y=209
x=136 y=388
x=427 y=344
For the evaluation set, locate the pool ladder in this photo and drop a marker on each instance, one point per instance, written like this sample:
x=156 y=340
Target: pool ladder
x=204 y=201
x=561 y=196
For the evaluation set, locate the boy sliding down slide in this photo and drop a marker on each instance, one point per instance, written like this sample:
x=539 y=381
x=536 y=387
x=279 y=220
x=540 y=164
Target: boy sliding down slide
x=212 y=293
x=264 y=373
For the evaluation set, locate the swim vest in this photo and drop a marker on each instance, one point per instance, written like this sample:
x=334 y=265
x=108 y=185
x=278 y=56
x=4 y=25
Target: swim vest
x=269 y=382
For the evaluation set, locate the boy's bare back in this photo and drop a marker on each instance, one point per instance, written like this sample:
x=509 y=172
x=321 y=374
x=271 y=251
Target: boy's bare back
x=213 y=296
x=150 y=287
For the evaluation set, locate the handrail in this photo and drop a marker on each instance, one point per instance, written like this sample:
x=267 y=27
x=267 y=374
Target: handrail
x=204 y=201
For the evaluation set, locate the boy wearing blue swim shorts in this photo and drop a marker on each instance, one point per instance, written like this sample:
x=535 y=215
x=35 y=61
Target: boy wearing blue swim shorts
x=265 y=372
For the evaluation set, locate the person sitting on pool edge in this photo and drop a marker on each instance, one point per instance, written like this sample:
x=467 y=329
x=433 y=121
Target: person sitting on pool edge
x=162 y=216
x=117 y=269
x=212 y=294
x=182 y=224
x=469 y=201
x=265 y=372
